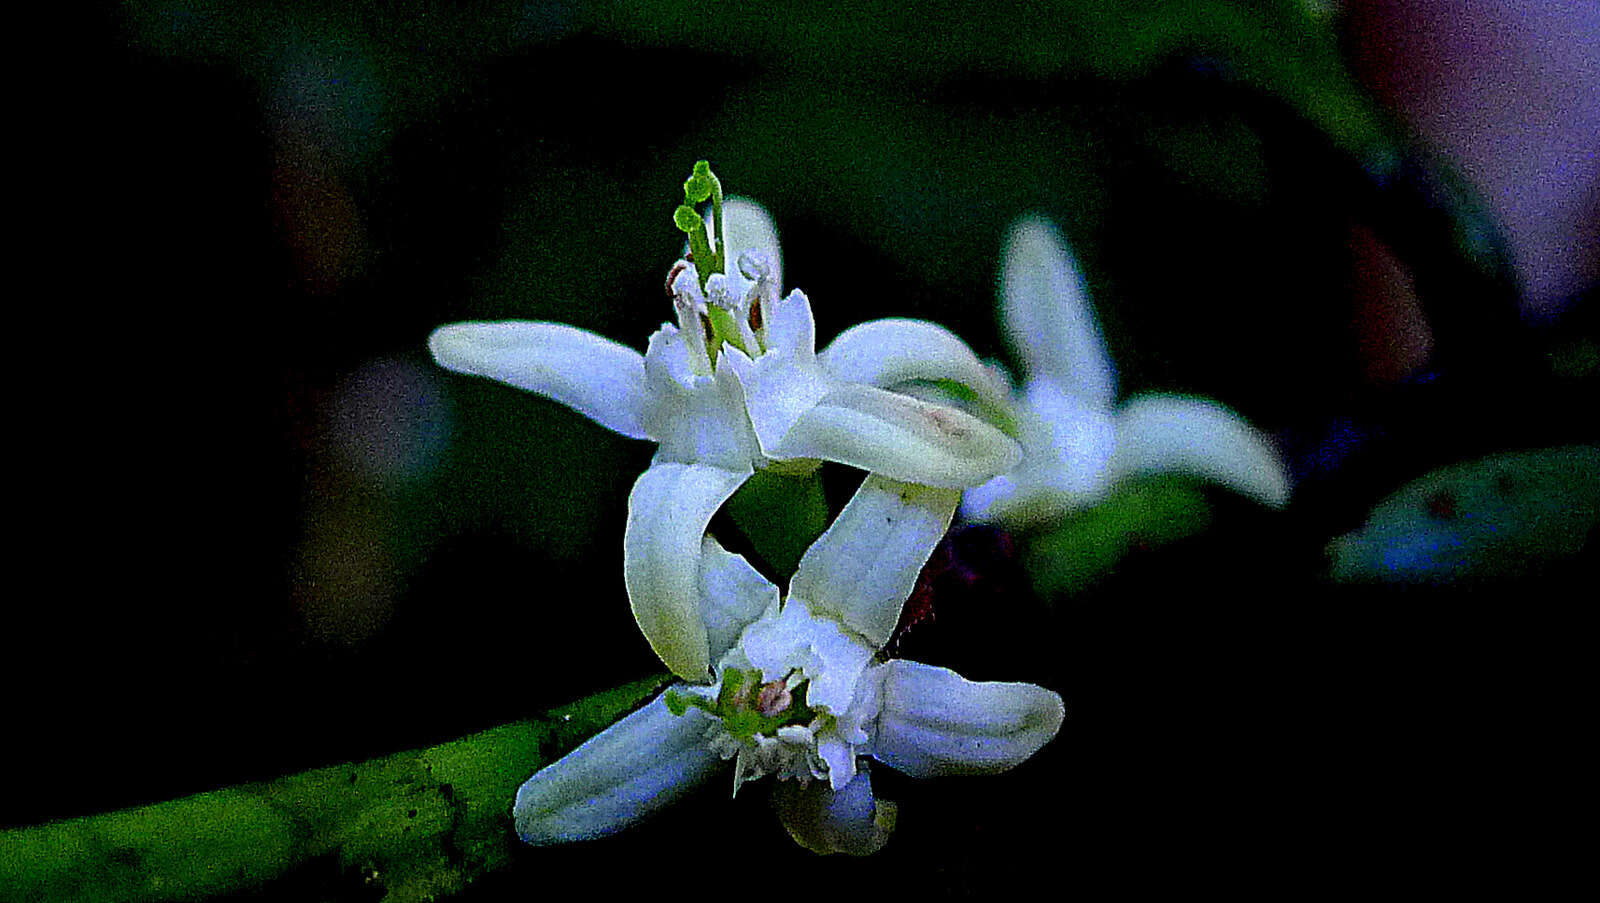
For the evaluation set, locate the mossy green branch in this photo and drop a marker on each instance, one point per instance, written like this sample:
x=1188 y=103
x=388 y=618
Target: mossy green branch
x=419 y=825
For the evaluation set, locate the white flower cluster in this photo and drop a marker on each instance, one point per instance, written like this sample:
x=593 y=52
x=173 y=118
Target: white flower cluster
x=793 y=686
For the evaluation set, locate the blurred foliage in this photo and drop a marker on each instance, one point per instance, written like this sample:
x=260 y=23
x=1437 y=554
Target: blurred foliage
x=421 y=52
x=916 y=127
x=1139 y=515
x=1507 y=515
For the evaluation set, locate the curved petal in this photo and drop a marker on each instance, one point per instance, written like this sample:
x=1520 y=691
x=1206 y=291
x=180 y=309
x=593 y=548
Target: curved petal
x=778 y=389
x=668 y=510
x=900 y=437
x=885 y=352
x=733 y=595
x=824 y=820
x=790 y=327
x=1044 y=304
x=697 y=419
x=596 y=377
x=862 y=570
x=935 y=722
x=621 y=775
x=1172 y=433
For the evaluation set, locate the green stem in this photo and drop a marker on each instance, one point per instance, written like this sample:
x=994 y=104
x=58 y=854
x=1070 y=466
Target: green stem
x=782 y=515
x=417 y=825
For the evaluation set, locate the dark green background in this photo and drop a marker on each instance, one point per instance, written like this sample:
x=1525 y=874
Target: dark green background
x=284 y=201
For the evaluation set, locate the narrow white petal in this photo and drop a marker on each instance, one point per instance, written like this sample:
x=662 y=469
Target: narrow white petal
x=885 y=352
x=594 y=376
x=732 y=595
x=864 y=567
x=1044 y=303
x=791 y=328
x=697 y=419
x=778 y=389
x=900 y=437
x=1172 y=433
x=824 y=820
x=621 y=775
x=935 y=722
x=668 y=510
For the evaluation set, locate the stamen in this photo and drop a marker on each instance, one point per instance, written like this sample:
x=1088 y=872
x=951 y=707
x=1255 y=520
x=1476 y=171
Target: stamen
x=755 y=266
x=725 y=320
x=691 y=323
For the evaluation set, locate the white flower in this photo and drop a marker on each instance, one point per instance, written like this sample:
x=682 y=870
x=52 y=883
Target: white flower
x=1077 y=442
x=720 y=412
x=801 y=694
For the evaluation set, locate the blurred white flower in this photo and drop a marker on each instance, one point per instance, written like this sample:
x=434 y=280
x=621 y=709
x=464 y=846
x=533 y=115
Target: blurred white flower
x=1077 y=441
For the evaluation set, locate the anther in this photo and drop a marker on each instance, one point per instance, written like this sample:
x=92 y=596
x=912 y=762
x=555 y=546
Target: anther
x=674 y=273
x=774 y=698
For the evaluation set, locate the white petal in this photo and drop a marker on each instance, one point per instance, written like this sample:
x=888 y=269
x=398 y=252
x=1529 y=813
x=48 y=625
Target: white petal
x=848 y=735
x=697 y=419
x=791 y=328
x=841 y=759
x=935 y=722
x=1045 y=306
x=1171 y=433
x=885 y=352
x=621 y=775
x=824 y=820
x=864 y=567
x=900 y=437
x=594 y=376
x=668 y=511
x=778 y=389
x=732 y=595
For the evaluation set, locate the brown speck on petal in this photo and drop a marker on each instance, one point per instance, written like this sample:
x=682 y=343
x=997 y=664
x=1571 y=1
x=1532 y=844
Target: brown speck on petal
x=946 y=422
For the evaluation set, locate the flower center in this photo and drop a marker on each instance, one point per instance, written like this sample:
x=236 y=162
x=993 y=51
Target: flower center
x=750 y=707
x=804 y=725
